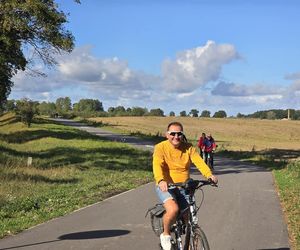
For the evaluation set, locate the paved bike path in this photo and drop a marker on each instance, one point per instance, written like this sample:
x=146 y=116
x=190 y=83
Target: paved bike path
x=243 y=213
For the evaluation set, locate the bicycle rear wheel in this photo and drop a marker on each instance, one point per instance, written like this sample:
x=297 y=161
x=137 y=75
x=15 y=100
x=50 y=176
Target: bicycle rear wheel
x=198 y=240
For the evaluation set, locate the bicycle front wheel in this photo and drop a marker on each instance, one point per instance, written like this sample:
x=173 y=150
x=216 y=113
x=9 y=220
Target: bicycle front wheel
x=198 y=240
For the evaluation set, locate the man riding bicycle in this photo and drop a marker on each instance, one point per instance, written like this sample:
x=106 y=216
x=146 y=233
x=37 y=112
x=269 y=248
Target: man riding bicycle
x=209 y=146
x=200 y=143
x=172 y=159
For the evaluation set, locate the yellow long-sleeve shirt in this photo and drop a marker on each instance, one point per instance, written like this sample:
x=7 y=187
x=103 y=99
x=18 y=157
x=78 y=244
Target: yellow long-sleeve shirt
x=173 y=164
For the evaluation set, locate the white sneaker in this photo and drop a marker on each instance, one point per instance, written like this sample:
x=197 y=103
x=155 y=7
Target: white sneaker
x=165 y=241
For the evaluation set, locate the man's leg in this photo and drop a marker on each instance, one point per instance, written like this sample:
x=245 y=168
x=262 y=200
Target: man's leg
x=211 y=159
x=168 y=219
x=205 y=155
x=170 y=215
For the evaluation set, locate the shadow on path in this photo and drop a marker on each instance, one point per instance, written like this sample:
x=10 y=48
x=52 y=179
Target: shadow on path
x=281 y=248
x=97 y=234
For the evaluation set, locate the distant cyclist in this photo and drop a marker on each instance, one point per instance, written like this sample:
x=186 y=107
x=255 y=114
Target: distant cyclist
x=200 y=143
x=209 y=146
x=172 y=159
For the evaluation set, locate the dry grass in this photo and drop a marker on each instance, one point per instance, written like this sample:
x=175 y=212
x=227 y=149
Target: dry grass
x=230 y=134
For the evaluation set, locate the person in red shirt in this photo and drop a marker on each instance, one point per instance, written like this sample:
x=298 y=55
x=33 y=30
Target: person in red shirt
x=201 y=144
x=209 y=146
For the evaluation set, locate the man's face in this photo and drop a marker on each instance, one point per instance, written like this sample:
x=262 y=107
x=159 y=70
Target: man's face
x=174 y=135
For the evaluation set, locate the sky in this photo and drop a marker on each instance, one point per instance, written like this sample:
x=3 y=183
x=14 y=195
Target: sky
x=232 y=55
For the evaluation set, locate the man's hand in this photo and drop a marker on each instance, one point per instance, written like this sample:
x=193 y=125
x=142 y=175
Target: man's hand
x=163 y=185
x=213 y=178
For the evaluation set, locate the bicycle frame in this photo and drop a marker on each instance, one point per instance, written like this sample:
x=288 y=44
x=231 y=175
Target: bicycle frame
x=208 y=158
x=181 y=227
x=189 y=228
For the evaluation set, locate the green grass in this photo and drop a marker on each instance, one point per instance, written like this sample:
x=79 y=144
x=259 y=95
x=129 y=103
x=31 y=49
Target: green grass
x=70 y=169
x=288 y=182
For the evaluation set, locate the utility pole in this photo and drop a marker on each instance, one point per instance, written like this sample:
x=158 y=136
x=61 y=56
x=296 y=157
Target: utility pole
x=288 y=114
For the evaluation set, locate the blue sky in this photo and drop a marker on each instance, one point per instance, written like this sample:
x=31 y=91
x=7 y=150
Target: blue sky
x=177 y=55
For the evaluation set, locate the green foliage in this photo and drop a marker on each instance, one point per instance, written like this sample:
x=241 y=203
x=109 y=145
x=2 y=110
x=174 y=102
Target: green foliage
x=118 y=111
x=172 y=113
x=194 y=113
x=239 y=115
x=138 y=111
x=182 y=113
x=47 y=108
x=271 y=115
x=26 y=109
x=156 y=112
x=220 y=114
x=29 y=26
x=63 y=106
x=205 y=113
x=275 y=114
x=10 y=105
x=87 y=108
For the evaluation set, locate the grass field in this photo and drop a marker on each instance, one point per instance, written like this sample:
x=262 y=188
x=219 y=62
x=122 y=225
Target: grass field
x=231 y=134
x=274 y=144
x=70 y=169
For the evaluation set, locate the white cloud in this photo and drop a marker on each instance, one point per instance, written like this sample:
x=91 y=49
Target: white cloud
x=196 y=67
x=183 y=85
x=108 y=75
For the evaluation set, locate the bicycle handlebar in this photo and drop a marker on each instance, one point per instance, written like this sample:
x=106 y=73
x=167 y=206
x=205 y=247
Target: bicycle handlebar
x=193 y=183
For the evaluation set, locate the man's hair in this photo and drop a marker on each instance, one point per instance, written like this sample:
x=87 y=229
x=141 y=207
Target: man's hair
x=175 y=124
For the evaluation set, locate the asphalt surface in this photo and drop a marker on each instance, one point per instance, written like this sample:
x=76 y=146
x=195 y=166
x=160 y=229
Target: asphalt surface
x=242 y=213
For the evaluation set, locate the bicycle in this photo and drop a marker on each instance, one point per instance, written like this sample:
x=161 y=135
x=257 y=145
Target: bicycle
x=209 y=159
x=185 y=234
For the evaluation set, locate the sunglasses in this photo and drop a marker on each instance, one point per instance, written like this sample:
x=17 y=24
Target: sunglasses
x=174 y=133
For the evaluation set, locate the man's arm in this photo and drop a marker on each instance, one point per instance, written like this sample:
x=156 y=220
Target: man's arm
x=157 y=164
x=200 y=164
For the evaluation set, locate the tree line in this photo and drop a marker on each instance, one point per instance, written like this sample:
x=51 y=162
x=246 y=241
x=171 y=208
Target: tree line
x=273 y=114
x=26 y=109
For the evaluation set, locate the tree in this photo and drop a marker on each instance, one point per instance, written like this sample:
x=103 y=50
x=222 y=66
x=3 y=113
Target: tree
x=29 y=31
x=156 y=112
x=47 y=108
x=182 y=113
x=138 y=111
x=205 y=113
x=63 y=105
x=87 y=107
x=172 y=113
x=271 y=115
x=111 y=110
x=26 y=109
x=10 y=105
x=194 y=113
x=220 y=114
x=239 y=115
x=120 y=111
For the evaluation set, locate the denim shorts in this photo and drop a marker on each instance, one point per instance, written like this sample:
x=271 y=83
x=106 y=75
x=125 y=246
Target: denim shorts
x=176 y=194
